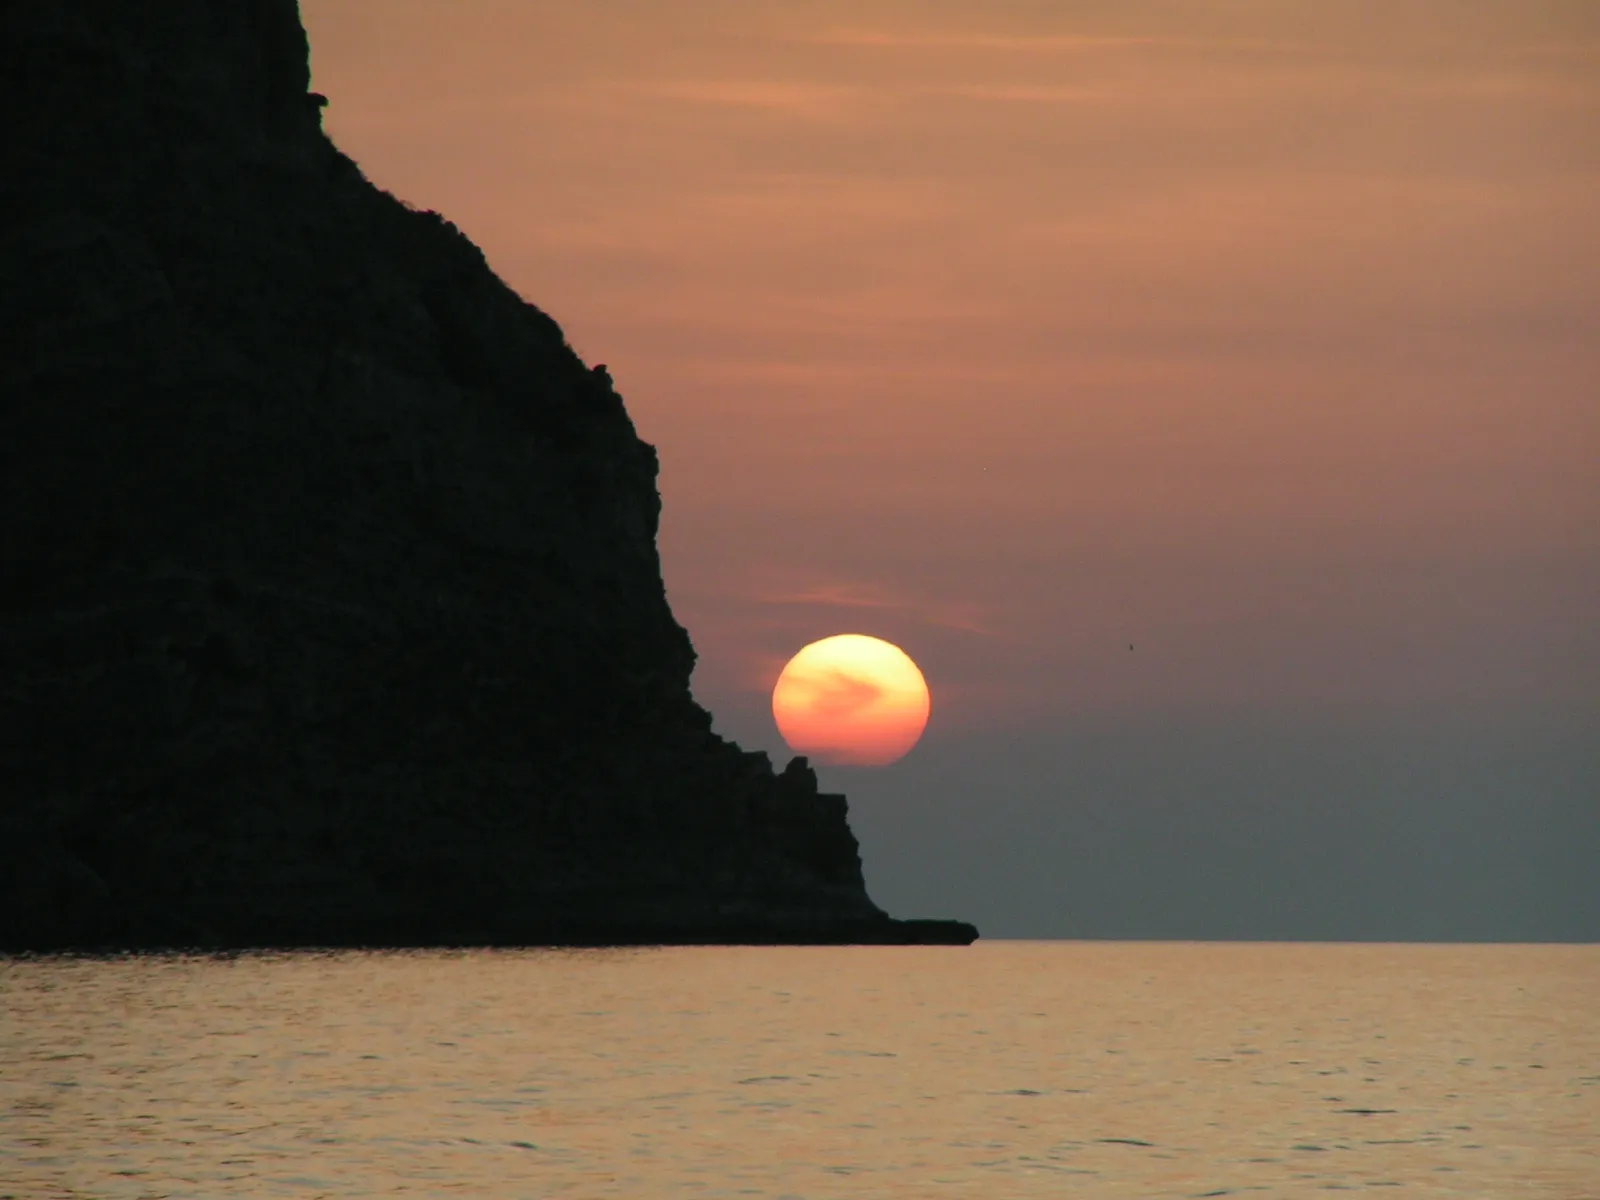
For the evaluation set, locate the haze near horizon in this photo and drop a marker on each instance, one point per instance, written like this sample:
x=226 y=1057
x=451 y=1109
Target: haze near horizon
x=1202 y=395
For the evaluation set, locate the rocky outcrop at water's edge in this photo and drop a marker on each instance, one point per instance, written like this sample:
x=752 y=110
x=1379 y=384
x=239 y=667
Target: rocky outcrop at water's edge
x=330 y=608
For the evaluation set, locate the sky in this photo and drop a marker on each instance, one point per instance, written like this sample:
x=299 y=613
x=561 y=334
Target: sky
x=1262 y=336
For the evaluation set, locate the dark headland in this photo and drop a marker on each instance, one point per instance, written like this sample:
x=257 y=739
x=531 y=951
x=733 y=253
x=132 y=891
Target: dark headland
x=330 y=607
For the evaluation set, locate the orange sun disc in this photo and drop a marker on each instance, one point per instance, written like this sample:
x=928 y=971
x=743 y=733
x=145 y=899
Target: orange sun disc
x=851 y=699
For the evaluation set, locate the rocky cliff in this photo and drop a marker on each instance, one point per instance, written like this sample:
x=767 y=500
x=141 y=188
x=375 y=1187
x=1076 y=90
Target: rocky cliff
x=330 y=608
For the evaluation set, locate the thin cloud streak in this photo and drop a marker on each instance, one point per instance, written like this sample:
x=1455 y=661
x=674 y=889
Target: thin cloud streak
x=1032 y=44
x=798 y=98
x=866 y=596
x=841 y=595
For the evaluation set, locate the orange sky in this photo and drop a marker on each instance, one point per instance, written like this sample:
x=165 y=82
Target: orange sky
x=1262 y=335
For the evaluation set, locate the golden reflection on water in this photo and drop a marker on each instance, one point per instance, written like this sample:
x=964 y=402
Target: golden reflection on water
x=1006 y=1069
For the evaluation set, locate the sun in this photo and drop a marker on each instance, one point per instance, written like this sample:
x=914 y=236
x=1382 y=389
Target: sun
x=851 y=699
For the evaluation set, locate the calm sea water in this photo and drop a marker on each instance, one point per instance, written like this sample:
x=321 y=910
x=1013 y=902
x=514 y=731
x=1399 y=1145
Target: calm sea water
x=1004 y=1069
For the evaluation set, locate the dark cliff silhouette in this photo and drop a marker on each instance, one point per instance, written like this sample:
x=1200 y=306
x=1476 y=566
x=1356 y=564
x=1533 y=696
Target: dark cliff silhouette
x=330 y=609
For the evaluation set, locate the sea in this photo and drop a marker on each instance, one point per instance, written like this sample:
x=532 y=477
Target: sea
x=1004 y=1069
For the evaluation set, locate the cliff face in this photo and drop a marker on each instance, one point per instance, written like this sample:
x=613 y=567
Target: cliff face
x=330 y=609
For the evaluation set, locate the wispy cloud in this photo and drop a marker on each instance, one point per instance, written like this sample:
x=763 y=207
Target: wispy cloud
x=800 y=98
x=1022 y=44
x=1023 y=93
x=841 y=595
x=835 y=694
x=874 y=597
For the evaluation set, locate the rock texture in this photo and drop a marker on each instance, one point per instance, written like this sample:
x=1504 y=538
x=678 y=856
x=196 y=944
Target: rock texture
x=330 y=608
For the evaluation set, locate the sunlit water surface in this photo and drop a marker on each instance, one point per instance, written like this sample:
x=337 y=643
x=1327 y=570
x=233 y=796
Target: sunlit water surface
x=1006 y=1069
